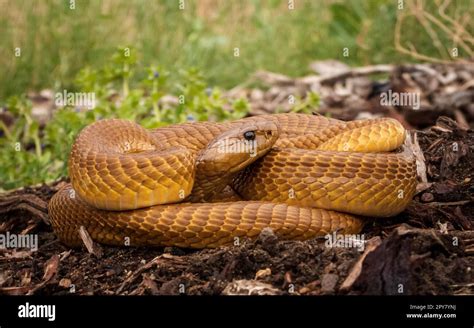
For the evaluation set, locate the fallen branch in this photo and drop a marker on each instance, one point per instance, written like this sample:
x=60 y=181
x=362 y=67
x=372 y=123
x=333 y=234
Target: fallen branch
x=356 y=72
x=26 y=202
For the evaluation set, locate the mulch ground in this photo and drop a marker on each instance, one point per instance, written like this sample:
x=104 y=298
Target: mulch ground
x=427 y=249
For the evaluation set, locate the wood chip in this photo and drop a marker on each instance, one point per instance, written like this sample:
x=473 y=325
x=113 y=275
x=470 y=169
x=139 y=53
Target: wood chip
x=420 y=164
x=92 y=248
x=263 y=273
x=461 y=120
x=65 y=282
x=51 y=268
x=250 y=287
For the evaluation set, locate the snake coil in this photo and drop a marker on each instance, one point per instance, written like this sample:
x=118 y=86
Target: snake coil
x=204 y=184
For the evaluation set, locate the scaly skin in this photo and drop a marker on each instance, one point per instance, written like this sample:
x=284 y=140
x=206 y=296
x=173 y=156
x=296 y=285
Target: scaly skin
x=197 y=225
x=344 y=172
x=130 y=183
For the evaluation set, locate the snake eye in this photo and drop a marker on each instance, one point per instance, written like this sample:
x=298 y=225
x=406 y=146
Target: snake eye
x=249 y=135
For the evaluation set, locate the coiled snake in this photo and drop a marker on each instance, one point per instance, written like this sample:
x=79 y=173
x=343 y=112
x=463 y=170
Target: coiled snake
x=205 y=184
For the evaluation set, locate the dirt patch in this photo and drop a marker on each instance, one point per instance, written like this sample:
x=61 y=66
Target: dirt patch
x=428 y=249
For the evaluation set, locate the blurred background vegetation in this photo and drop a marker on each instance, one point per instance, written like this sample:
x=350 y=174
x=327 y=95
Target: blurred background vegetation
x=56 y=41
x=78 y=45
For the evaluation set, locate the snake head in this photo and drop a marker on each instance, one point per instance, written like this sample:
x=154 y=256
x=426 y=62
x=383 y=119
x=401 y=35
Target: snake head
x=237 y=148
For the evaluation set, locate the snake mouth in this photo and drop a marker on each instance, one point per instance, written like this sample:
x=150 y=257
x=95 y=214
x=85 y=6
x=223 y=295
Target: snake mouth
x=135 y=151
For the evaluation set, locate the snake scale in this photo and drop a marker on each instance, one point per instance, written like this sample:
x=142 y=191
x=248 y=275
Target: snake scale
x=204 y=184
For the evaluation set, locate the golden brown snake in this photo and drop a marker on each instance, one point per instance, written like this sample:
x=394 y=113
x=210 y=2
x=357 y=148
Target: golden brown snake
x=300 y=175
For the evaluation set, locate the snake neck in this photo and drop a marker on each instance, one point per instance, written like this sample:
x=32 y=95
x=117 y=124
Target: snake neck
x=207 y=187
x=241 y=179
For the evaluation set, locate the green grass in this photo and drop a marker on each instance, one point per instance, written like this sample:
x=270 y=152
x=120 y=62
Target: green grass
x=56 y=41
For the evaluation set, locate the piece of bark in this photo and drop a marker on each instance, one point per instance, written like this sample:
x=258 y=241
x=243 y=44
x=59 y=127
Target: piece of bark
x=372 y=244
x=91 y=247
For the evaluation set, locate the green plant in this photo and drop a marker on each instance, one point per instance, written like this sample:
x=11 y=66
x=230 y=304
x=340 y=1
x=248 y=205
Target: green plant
x=308 y=104
x=31 y=154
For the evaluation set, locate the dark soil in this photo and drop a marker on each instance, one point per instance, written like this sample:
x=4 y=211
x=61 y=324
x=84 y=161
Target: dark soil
x=428 y=249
